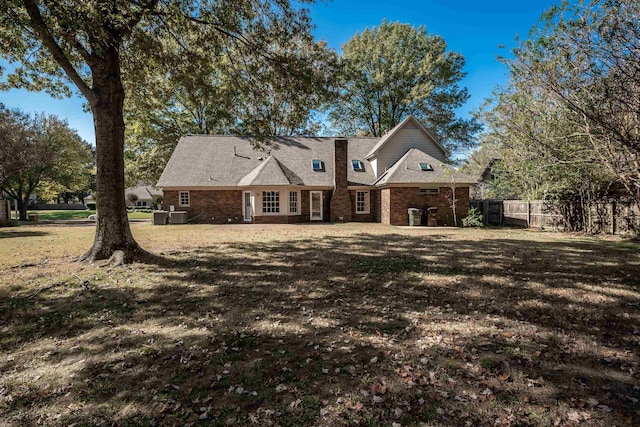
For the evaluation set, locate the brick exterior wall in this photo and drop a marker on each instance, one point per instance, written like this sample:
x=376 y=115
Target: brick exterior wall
x=209 y=206
x=216 y=206
x=374 y=207
x=341 y=206
x=388 y=206
x=395 y=202
x=305 y=196
x=279 y=219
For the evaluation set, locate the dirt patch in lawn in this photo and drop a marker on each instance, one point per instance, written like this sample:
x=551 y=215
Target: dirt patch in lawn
x=321 y=325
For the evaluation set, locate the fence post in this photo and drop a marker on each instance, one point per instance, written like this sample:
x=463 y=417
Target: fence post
x=613 y=217
x=528 y=214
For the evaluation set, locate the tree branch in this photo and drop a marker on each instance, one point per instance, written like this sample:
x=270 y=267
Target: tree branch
x=37 y=21
x=131 y=23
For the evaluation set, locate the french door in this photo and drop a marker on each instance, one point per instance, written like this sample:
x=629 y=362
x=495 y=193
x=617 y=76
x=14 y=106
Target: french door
x=316 y=205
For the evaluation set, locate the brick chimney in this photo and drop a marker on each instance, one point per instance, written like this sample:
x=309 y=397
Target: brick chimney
x=340 y=199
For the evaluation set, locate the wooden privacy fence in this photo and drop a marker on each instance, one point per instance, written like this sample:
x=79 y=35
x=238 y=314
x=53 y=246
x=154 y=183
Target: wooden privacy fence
x=534 y=213
x=521 y=213
x=612 y=217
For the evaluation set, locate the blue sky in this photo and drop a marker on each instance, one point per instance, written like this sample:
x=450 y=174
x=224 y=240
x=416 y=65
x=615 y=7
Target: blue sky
x=475 y=29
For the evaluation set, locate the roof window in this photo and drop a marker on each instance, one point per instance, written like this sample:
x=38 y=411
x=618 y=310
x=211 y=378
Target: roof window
x=357 y=165
x=426 y=167
x=318 y=165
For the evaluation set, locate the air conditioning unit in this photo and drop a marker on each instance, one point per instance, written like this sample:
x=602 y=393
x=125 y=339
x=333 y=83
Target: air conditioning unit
x=178 y=217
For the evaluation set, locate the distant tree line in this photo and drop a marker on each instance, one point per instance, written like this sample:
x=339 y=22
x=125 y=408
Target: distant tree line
x=42 y=155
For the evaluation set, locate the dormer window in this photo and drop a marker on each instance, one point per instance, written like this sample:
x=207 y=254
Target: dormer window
x=357 y=165
x=318 y=165
x=426 y=167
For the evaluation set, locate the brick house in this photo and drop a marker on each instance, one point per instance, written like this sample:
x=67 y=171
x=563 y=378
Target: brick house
x=224 y=179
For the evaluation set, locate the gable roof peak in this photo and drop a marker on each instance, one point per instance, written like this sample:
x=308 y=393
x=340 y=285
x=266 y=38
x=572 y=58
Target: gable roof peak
x=270 y=172
x=387 y=136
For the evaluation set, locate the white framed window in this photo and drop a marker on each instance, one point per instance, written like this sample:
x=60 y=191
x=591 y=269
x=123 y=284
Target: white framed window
x=425 y=166
x=184 y=198
x=270 y=202
x=362 y=202
x=293 y=202
x=317 y=165
x=357 y=165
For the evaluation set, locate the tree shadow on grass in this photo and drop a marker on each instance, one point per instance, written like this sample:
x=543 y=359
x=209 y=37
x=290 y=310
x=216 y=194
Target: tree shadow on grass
x=13 y=233
x=339 y=330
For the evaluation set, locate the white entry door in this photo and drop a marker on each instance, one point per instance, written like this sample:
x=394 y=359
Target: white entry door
x=316 y=205
x=247 y=206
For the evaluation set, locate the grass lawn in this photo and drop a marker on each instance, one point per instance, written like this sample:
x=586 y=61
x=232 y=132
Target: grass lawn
x=320 y=325
x=58 y=215
x=62 y=215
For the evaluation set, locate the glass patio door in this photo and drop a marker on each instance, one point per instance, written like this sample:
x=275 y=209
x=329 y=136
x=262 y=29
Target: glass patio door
x=247 y=206
x=316 y=205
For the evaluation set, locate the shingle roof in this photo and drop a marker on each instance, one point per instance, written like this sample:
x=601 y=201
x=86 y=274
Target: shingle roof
x=229 y=161
x=219 y=161
x=144 y=192
x=270 y=172
x=407 y=170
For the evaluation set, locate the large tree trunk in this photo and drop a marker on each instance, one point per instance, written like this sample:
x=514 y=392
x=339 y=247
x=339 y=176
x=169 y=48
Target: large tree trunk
x=22 y=201
x=22 y=207
x=112 y=230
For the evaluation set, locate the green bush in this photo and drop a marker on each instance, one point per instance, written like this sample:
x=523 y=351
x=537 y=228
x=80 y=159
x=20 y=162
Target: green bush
x=473 y=219
x=91 y=206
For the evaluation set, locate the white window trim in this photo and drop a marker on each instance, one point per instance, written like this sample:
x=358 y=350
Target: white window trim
x=180 y=193
x=367 y=202
x=252 y=207
x=311 y=218
x=299 y=210
x=280 y=210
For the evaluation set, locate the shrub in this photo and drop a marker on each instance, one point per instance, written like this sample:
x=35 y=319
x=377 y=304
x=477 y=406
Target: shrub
x=473 y=219
x=91 y=206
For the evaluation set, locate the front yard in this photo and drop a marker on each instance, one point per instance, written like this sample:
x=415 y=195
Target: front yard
x=320 y=325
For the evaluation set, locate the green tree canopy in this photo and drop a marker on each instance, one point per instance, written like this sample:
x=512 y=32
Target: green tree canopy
x=48 y=154
x=395 y=70
x=16 y=135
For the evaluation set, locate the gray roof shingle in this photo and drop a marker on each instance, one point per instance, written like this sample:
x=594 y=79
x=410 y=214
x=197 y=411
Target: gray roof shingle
x=144 y=192
x=407 y=170
x=229 y=161
x=223 y=161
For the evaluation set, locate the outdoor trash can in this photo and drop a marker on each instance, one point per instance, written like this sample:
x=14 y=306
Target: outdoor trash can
x=414 y=216
x=160 y=217
x=432 y=217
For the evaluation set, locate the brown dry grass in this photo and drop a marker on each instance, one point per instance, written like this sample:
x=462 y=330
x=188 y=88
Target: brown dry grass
x=320 y=325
